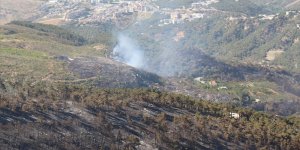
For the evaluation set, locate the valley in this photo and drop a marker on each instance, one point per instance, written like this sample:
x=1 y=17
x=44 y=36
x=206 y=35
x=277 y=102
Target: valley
x=169 y=74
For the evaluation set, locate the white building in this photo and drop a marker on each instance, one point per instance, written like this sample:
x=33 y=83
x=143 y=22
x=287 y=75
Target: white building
x=234 y=115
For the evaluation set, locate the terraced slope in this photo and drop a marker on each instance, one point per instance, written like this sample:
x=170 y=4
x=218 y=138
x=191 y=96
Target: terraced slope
x=41 y=53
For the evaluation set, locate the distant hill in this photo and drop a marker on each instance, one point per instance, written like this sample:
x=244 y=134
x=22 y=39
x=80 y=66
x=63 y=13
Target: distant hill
x=18 y=9
x=279 y=4
x=235 y=37
x=242 y=6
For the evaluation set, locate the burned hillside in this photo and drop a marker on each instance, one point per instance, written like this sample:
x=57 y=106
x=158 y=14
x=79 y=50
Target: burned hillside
x=82 y=118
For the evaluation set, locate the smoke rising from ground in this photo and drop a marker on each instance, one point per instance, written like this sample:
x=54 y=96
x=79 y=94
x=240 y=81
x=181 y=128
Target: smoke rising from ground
x=162 y=57
x=164 y=63
x=129 y=52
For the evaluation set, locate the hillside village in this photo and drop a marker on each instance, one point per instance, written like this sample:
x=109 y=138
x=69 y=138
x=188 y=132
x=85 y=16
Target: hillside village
x=99 y=11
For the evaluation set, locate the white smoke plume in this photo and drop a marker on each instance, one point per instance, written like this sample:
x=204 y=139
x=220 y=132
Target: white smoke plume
x=129 y=52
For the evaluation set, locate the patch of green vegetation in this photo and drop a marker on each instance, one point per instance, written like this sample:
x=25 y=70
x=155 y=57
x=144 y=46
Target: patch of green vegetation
x=29 y=66
x=263 y=91
x=32 y=53
x=102 y=33
x=62 y=35
x=28 y=55
x=242 y=6
x=23 y=53
x=277 y=5
x=35 y=40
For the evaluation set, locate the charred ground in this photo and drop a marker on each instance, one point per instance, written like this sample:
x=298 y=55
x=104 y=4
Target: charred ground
x=52 y=96
x=83 y=118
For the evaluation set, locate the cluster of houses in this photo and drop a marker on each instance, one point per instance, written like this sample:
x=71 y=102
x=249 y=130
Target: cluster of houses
x=181 y=15
x=111 y=12
x=98 y=10
x=178 y=16
x=87 y=1
x=107 y=10
x=212 y=83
